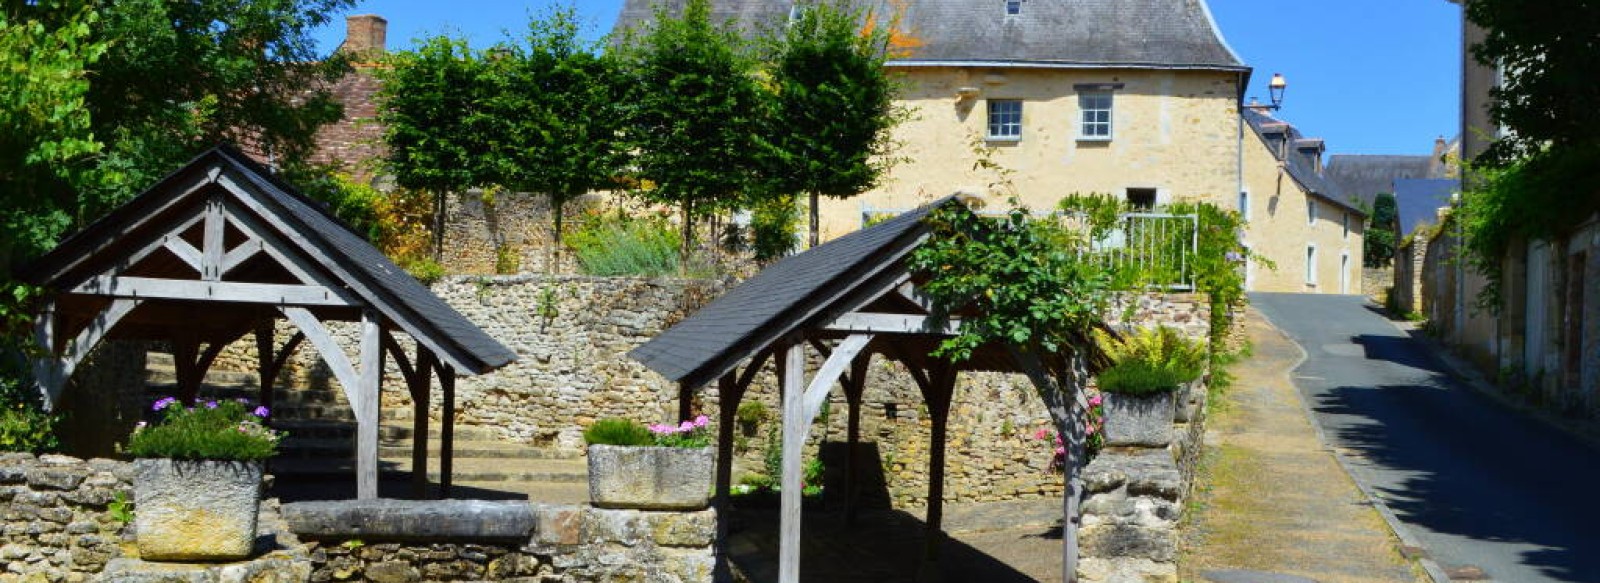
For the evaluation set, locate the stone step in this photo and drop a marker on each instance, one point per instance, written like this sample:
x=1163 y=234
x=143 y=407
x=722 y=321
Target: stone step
x=567 y=471
x=323 y=448
x=281 y=395
x=329 y=429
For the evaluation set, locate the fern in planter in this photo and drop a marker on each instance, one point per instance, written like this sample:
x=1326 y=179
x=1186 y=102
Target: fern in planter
x=1152 y=361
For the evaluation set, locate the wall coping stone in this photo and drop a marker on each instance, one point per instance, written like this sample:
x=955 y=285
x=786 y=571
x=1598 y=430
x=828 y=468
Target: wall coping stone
x=413 y=520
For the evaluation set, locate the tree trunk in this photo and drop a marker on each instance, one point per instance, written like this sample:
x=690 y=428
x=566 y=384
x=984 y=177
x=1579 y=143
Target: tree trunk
x=816 y=229
x=438 y=226
x=687 y=243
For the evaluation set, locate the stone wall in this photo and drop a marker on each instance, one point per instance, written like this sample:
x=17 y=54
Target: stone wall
x=572 y=334
x=55 y=518
x=1376 y=281
x=393 y=541
x=1407 y=286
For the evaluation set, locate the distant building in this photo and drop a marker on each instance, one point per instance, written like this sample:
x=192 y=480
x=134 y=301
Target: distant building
x=1139 y=99
x=1296 y=217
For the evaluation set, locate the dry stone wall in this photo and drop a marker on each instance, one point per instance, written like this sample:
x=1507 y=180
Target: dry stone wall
x=55 y=518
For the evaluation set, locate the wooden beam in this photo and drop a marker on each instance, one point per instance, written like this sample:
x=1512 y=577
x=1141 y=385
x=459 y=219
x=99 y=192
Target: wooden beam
x=817 y=393
x=793 y=373
x=211 y=252
x=238 y=255
x=152 y=288
x=937 y=395
x=184 y=251
x=447 y=430
x=52 y=372
x=909 y=292
x=367 y=392
x=331 y=353
x=854 y=388
x=1067 y=411
x=879 y=323
x=421 y=386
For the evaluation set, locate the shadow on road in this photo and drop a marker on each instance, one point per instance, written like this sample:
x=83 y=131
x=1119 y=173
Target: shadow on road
x=1472 y=469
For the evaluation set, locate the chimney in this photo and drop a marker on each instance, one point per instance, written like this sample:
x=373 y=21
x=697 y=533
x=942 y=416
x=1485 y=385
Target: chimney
x=364 y=36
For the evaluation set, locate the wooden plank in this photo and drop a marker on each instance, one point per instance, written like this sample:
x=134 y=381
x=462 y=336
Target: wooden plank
x=367 y=392
x=793 y=372
x=184 y=251
x=212 y=251
x=447 y=430
x=330 y=351
x=880 y=323
x=242 y=253
x=817 y=393
x=212 y=291
x=46 y=367
x=421 y=385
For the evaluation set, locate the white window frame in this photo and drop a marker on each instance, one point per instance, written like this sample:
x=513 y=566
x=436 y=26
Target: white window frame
x=1344 y=272
x=1084 y=110
x=1013 y=7
x=1311 y=264
x=1244 y=204
x=1311 y=210
x=990 y=123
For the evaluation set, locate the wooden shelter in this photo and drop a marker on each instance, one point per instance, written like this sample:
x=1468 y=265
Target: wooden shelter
x=848 y=299
x=220 y=249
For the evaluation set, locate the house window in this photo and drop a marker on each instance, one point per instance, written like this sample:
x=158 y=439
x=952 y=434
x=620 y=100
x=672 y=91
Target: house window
x=1244 y=204
x=1346 y=225
x=1005 y=119
x=1096 y=112
x=1311 y=265
x=1143 y=199
x=1311 y=211
x=1013 y=7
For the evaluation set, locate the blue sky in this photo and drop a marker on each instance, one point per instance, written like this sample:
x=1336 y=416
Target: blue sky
x=1369 y=76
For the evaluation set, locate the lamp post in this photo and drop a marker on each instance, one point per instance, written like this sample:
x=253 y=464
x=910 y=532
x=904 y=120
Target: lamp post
x=1275 y=89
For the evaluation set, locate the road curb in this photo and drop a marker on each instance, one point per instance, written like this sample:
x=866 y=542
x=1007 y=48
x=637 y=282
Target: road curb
x=1435 y=572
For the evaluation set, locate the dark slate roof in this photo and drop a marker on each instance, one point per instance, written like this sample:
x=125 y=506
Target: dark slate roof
x=354 y=261
x=1363 y=176
x=1301 y=166
x=785 y=297
x=1069 y=33
x=1418 y=200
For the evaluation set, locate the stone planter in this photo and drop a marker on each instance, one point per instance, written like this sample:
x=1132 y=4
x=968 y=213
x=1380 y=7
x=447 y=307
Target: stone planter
x=1144 y=421
x=650 y=478
x=1190 y=399
x=196 y=510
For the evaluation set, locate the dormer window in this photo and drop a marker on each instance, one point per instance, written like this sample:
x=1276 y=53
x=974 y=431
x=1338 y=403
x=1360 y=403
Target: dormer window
x=1013 y=7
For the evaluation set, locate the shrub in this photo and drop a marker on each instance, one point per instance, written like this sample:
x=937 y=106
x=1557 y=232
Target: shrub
x=26 y=429
x=621 y=245
x=618 y=431
x=217 y=430
x=1151 y=361
x=751 y=413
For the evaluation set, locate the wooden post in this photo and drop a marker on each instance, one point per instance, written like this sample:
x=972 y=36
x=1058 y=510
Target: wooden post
x=729 y=393
x=265 y=356
x=366 y=407
x=854 y=387
x=793 y=373
x=447 y=430
x=185 y=361
x=685 y=401
x=421 y=392
x=942 y=379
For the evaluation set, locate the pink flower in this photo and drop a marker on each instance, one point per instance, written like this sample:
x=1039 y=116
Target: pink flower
x=1095 y=401
x=1061 y=451
x=701 y=421
x=1041 y=434
x=686 y=426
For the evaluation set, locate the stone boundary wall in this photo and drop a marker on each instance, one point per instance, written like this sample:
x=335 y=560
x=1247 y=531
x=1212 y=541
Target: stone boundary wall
x=466 y=540
x=1375 y=281
x=55 y=519
x=1134 y=500
x=572 y=335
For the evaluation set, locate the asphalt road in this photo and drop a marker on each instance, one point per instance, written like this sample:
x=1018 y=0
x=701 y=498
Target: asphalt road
x=1476 y=483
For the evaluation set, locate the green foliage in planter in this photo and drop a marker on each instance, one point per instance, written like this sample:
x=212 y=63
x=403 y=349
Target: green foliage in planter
x=1150 y=361
x=751 y=413
x=618 y=431
x=217 y=430
x=1139 y=378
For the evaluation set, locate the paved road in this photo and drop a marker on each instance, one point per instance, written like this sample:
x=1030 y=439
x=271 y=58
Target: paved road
x=1476 y=483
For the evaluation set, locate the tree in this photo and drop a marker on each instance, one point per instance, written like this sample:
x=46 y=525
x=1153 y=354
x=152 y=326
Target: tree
x=1538 y=181
x=828 y=134
x=692 y=113
x=114 y=94
x=552 y=113
x=1382 y=234
x=431 y=109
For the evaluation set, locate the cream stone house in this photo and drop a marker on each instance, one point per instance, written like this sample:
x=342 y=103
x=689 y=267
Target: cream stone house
x=1135 y=98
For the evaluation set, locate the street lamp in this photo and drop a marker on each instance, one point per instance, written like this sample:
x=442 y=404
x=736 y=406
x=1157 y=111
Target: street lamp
x=1275 y=89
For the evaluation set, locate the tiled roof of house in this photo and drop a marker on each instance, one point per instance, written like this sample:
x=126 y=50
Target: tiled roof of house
x=1069 y=33
x=1302 y=166
x=1363 y=176
x=1418 y=200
